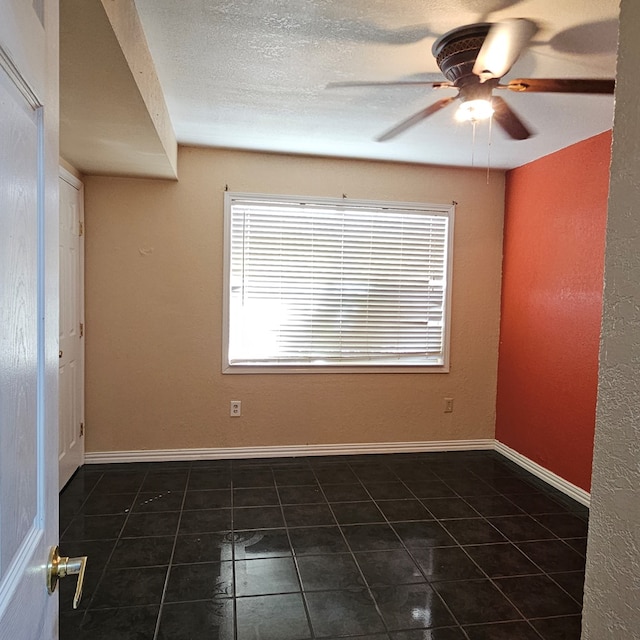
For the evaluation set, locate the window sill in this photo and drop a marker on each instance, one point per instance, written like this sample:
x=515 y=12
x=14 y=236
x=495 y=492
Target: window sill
x=316 y=369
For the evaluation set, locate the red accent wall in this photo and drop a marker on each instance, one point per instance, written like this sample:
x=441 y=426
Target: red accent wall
x=555 y=219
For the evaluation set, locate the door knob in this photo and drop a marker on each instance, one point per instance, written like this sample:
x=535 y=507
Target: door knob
x=60 y=566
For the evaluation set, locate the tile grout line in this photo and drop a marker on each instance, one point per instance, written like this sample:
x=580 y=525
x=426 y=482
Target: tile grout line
x=492 y=580
x=458 y=544
x=424 y=575
x=555 y=538
x=233 y=552
x=170 y=565
x=417 y=564
x=351 y=552
x=303 y=594
x=408 y=550
x=118 y=538
x=411 y=555
x=523 y=617
x=397 y=477
x=61 y=534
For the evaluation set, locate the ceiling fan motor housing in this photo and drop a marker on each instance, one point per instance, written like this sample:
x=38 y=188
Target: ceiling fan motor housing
x=456 y=52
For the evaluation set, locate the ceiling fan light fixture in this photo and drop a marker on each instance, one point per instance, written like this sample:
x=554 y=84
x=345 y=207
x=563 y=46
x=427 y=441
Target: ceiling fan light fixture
x=474 y=110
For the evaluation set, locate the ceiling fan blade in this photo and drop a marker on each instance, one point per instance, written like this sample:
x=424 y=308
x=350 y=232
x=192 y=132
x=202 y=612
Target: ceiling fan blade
x=415 y=118
x=390 y=83
x=508 y=120
x=562 y=85
x=502 y=47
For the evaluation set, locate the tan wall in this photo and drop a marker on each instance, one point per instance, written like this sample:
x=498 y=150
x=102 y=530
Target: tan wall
x=154 y=314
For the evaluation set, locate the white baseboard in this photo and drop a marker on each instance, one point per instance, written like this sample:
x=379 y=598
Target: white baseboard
x=289 y=451
x=578 y=494
x=294 y=451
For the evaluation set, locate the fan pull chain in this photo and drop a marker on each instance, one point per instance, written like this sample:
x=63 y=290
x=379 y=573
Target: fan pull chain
x=473 y=143
x=489 y=147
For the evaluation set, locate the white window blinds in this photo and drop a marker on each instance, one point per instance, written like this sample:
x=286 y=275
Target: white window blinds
x=336 y=283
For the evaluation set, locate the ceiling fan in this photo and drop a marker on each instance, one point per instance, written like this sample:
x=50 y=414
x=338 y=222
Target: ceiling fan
x=473 y=59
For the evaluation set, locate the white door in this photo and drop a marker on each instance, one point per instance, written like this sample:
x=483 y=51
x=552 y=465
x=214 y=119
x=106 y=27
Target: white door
x=28 y=315
x=71 y=363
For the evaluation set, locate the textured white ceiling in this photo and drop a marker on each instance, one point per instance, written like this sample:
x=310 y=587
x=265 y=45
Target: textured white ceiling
x=251 y=74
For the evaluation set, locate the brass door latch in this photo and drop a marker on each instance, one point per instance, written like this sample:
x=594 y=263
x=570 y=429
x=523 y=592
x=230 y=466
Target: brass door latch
x=60 y=566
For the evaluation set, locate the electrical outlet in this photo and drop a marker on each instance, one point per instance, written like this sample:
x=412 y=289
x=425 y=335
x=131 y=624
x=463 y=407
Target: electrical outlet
x=448 y=405
x=236 y=409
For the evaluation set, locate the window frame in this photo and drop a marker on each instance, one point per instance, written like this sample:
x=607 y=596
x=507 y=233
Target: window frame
x=447 y=210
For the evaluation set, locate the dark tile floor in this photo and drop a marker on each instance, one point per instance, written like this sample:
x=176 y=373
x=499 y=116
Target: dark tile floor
x=434 y=546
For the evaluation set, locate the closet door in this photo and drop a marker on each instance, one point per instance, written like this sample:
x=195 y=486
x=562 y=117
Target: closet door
x=71 y=422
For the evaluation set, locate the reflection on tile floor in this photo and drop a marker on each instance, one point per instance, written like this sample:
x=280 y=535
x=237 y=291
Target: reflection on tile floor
x=432 y=546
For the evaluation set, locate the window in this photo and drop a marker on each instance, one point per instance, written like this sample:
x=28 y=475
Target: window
x=334 y=284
